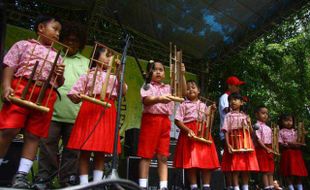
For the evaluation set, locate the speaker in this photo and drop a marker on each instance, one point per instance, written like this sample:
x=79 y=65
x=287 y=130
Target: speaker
x=10 y=163
x=175 y=176
x=131 y=142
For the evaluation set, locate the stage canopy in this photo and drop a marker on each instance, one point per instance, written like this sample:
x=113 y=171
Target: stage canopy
x=206 y=30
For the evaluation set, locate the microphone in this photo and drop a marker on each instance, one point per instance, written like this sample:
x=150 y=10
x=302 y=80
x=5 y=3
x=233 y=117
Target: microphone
x=148 y=78
x=255 y=127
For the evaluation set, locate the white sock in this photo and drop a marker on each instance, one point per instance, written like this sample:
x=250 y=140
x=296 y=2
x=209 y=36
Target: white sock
x=24 y=165
x=291 y=187
x=206 y=185
x=299 y=187
x=83 y=179
x=163 y=184
x=236 y=188
x=194 y=186
x=143 y=182
x=245 y=187
x=98 y=174
x=1 y=160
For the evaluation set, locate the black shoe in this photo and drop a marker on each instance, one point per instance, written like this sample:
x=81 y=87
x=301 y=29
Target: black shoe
x=40 y=184
x=206 y=188
x=71 y=181
x=20 y=181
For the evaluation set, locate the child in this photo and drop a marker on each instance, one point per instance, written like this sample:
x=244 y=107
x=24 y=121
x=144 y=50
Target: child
x=65 y=112
x=264 y=152
x=233 y=86
x=93 y=130
x=12 y=117
x=190 y=154
x=291 y=162
x=155 y=125
x=240 y=162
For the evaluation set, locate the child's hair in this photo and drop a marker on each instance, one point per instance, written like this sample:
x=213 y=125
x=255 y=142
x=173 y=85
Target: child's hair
x=192 y=82
x=285 y=116
x=44 y=19
x=258 y=108
x=75 y=29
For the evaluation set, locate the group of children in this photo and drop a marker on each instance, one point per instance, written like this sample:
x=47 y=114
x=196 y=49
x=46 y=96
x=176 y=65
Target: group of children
x=93 y=130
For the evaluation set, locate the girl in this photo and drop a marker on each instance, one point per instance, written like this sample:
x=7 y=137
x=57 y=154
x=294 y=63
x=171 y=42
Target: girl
x=263 y=148
x=190 y=154
x=239 y=162
x=93 y=130
x=291 y=162
x=155 y=125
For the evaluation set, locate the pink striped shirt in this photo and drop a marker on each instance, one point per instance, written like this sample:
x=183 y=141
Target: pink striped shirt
x=264 y=133
x=287 y=135
x=234 y=120
x=23 y=55
x=84 y=84
x=191 y=111
x=157 y=89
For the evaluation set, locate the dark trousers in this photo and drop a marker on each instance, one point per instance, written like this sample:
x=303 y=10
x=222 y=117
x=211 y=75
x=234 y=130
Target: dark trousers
x=52 y=158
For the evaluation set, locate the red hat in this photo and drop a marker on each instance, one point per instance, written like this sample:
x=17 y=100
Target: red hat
x=233 y=80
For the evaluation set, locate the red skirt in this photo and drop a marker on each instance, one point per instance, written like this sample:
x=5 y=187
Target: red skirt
x=292 y=163
x=265 y=159
x=154 y=135
x=240 y=161
x=91 y=134
x=193 y=154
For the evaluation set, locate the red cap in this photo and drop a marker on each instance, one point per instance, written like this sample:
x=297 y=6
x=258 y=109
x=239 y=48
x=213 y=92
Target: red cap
x=233 y=80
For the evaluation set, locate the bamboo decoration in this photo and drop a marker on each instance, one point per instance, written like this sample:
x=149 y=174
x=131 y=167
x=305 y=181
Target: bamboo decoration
x=27 y=98
x=301 y=134
x=275 y=139
x=240 y=139
x=204 y=121
x=176 y=75
x=91 y=96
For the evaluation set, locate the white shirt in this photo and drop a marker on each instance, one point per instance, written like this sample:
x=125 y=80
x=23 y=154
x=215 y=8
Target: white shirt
x=223 y=103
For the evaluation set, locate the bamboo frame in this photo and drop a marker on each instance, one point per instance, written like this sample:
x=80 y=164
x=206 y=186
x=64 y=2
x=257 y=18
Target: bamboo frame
x=176 y=75
x=275 y=139
x=238 y=145
x=301 y=134
x=23 y=101
x=91 y=96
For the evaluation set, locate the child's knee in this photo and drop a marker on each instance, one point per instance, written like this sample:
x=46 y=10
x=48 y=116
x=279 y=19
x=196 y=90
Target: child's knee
x=9 y=133
x=31 y=137
x=162 y=159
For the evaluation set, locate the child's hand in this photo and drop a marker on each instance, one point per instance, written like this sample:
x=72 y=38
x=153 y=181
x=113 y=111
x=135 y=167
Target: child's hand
x=7 y=91
x=230 y=148
x=213 y=107
x=164 y=99
x=183 y=68
x=75 y=98
x=269 y=150
x=59 y=70
x=191 y=134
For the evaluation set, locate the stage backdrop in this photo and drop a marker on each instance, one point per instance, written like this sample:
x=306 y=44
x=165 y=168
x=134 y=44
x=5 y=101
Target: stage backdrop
x=132 y=106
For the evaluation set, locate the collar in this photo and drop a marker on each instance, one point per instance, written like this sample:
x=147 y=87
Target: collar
x=37 y=42
x=157 y=83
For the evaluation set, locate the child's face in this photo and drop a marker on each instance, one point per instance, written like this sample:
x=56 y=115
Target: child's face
x=192 y=91
x=158 y=72
x=234 y=88
x=235 y=104
x=73 y=42
x=51 y=29
x=287 y=122
x=105 y=58
x=262 y=115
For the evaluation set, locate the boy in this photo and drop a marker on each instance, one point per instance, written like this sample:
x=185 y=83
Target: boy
x=19 y=62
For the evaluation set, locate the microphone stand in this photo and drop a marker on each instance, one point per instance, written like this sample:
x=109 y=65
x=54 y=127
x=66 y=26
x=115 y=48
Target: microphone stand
x=114 y=174
x=128 y=41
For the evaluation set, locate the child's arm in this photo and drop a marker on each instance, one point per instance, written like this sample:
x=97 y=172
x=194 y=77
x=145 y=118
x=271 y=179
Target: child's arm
x=229 y=147
x=151 y=100
x=183 y=127
x=264 y=146
x=8 y=73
